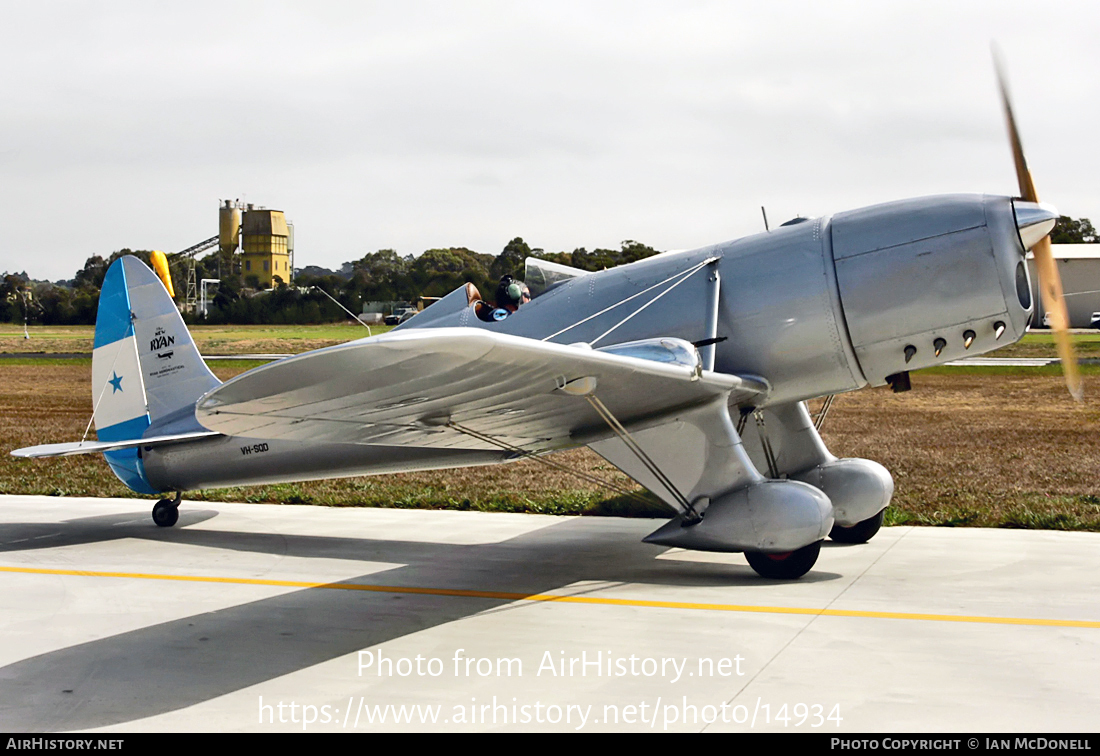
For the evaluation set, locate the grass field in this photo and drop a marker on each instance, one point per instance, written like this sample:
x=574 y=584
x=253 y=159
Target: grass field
x=44 y=400
x=1002 y=447
x=216 y=340
x=227 y=340
x=1041 y=344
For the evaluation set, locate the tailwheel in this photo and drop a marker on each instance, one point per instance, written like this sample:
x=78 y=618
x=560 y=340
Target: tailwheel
x=861 y=532
x=166 y=512
x=789 y=565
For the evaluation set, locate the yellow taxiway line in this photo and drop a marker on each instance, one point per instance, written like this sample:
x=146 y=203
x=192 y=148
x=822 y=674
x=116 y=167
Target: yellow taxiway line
x=593 y=600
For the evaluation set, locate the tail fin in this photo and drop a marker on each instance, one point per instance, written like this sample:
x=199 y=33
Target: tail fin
x=144 y=364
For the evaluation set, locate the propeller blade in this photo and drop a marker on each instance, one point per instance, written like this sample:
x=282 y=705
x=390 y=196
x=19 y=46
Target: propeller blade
x=1050 y=283
x=1023 y=175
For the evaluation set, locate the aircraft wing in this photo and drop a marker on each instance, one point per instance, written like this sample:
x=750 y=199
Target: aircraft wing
x=418 y=387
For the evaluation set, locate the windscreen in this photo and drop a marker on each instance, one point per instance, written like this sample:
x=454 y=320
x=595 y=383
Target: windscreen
x=543 y=275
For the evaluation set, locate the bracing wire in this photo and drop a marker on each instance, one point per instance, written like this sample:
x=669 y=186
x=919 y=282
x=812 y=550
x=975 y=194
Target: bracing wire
x=345 y=309
x=636 y=449
x=647 y=304
x=681 y=274
x=102 y=391
x=538 y=457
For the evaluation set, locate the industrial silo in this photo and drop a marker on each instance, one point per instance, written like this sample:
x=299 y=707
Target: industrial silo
x=229 y=227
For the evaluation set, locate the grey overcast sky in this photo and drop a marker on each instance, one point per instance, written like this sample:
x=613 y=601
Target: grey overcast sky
x=418 y=124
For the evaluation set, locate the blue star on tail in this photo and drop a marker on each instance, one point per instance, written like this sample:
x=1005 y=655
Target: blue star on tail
x=116 y=382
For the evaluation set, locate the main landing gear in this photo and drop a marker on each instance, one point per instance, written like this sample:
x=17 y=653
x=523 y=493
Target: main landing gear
x=786 y=566
x=167 y=511
x=861 y=532
x=794 y=564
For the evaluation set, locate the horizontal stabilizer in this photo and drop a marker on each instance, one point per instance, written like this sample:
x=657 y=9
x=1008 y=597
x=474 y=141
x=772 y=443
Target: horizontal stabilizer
x=95 y=447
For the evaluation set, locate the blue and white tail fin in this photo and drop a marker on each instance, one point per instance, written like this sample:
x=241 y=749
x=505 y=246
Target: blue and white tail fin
x=145 y=365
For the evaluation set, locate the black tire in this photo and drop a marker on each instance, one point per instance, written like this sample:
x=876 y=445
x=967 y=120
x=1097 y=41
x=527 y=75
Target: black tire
x=165 y=513
x=789 y=566
x=861 y=532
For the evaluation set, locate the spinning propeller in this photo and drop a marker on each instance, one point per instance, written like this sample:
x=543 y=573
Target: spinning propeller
x=1031 y=219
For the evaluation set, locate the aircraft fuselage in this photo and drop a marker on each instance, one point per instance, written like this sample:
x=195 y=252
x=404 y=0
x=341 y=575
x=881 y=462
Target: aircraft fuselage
x=825 y=306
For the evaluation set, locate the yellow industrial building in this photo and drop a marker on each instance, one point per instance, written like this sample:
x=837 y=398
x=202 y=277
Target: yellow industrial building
x=266 y=242
x=265 y=247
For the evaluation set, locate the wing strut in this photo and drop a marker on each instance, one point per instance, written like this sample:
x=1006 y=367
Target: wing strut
x=714 y=291
x=766 y=444
x=689 y=512
x=823 y=412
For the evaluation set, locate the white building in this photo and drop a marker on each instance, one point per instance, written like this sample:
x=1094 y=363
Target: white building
x=1079 y=267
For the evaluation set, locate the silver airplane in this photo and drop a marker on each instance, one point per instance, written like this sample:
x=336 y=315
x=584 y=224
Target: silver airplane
x=689 y=371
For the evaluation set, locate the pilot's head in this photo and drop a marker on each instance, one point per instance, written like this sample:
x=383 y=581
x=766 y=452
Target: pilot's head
x=512 y=293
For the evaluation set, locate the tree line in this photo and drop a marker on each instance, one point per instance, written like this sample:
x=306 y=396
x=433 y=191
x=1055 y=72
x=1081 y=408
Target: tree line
x=379 y=276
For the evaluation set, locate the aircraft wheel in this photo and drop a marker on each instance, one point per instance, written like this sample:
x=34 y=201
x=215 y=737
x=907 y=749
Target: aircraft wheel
x=165 y=513
x=787 y=566
x=861 y=532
